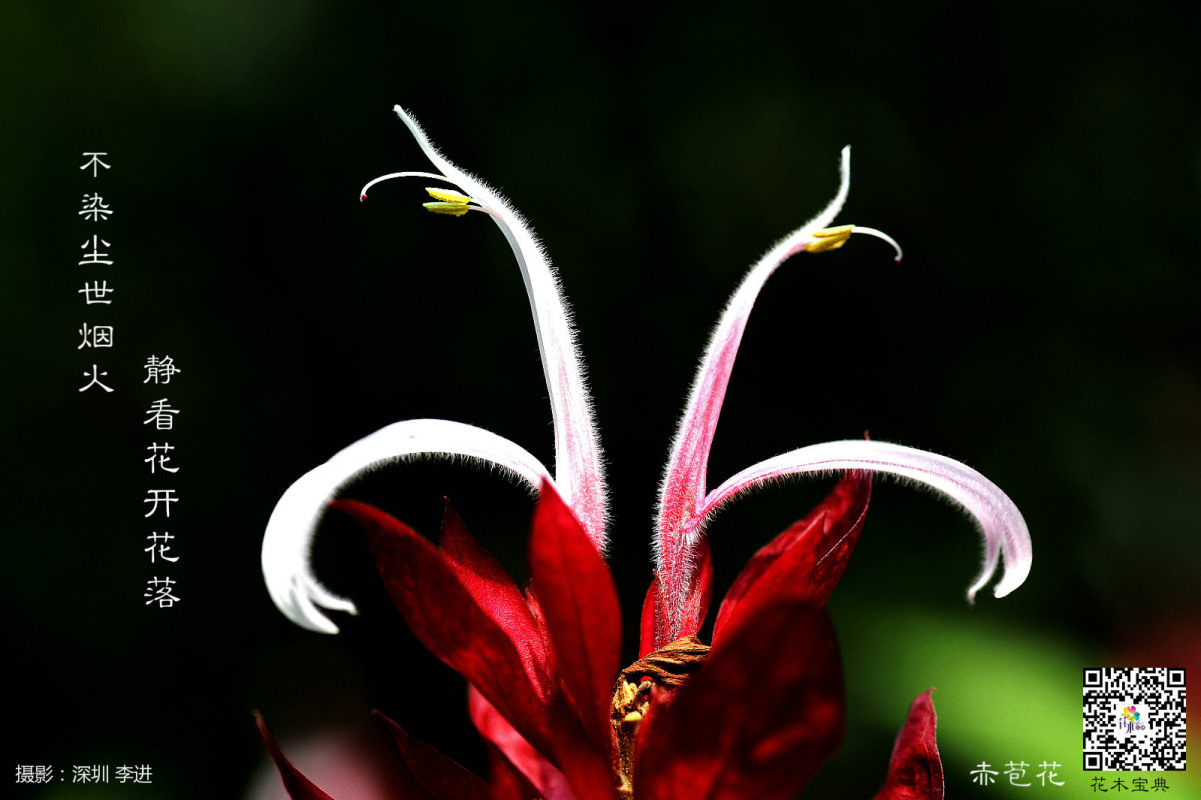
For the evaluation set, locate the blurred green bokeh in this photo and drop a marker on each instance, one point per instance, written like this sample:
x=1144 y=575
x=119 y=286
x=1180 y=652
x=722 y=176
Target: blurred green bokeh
x=1040 y=162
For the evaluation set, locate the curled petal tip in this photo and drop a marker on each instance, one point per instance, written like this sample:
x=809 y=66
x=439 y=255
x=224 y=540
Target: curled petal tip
x=1004 y=530
x=289 y=536
x=1016 y=572
x=362 y=197
x=308 y=598
x=286 y=569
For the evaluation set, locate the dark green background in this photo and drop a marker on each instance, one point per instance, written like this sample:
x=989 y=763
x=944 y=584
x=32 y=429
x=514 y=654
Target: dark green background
x=1040 y=162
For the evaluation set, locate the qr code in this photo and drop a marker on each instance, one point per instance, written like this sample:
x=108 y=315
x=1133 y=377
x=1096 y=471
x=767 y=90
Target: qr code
x=1134 y=719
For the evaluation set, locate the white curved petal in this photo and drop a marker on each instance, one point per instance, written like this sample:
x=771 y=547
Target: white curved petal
x=289 y=536
x=578 y=469
x=685 y=481
x=999 y=519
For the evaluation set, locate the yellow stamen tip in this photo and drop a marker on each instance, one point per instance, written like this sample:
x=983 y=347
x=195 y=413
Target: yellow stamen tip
x=829 y=238
x=449 y=209
x=454 y=198
x=633 y=716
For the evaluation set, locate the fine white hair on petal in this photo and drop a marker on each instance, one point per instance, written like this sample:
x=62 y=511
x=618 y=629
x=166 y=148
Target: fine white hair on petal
x=289 y=536
x=578 y=465
x=444 y=165
x=804 y=234
x=1000 y=521
x=682 y=491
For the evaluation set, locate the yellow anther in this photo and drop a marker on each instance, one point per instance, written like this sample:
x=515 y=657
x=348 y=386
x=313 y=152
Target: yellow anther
x=829 y=238
x=454 y=198
x=633 y=716
x=450 y=209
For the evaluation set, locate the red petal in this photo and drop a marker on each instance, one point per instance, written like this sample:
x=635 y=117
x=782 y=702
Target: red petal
x=514 y=749
x=802 y=563
x=506 y=781
x=587 y=766
x=441 y=777
x=299 y=787
x=577 y=597
x=584 y=762
x=654 y=632
x=494 y=591
x=756 y=721
x=700 y=594
x=652 y=620
x=448 y=620
x=915 y=770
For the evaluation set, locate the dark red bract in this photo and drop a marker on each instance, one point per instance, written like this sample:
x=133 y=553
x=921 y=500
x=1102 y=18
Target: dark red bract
x=752 y=720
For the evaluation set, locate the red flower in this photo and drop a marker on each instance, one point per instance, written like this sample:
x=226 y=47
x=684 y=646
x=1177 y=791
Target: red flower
x=750 y=718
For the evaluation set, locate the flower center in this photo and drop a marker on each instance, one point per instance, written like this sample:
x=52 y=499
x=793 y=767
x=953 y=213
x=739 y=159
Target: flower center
x=668 y=668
